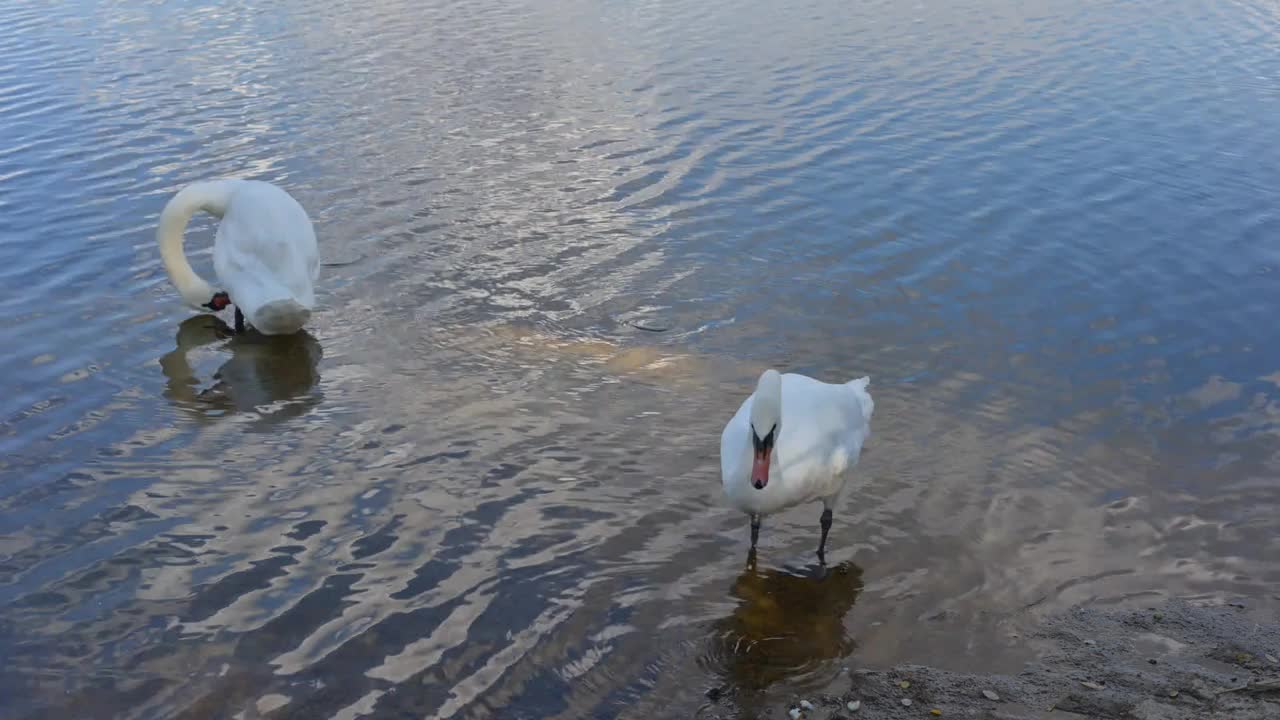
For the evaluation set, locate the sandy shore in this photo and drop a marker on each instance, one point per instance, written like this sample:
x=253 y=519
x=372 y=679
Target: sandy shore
x=1170 y=662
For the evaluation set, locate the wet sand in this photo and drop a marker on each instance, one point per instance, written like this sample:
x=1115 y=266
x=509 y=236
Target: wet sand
x=1174 y=661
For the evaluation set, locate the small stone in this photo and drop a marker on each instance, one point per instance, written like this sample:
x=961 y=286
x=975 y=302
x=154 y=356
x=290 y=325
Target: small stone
x=806 y=705
x=1090 y=642
x=1173 y=693
x=1158 y=616
x=854 y=705
x=714 y=694
x=906 y=702
x=1091 y=685
x=1152 y=661
x=990 y=695
x=795 y=713
x=1201 y=690
x=935 y=712
x=904 y=684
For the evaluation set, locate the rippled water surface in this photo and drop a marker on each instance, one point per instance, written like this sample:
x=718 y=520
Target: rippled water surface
x=565 y=236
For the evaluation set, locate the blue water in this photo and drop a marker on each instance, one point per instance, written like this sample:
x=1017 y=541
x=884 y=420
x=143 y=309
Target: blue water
x=479 y=487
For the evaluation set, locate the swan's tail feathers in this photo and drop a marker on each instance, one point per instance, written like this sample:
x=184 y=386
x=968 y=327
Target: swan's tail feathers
x=281 y=317
x=859 y=388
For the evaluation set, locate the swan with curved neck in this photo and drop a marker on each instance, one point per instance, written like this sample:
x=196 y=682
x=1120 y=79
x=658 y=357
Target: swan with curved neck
x=794 y=440
x=264 y=253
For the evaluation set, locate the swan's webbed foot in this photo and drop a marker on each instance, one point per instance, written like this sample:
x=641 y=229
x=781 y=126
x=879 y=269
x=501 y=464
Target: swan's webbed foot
x=239 y=320
x=825 y=522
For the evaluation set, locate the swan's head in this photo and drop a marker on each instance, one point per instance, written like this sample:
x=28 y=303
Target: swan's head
x=766 y=425
x=217 y=303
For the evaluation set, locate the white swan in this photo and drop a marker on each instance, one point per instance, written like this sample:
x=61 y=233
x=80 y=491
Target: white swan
x=794 y=440
x=264 y=253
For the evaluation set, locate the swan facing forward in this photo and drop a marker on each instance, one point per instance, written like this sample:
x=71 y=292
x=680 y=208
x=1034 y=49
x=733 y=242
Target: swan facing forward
x=264 y=253
x=794 y=440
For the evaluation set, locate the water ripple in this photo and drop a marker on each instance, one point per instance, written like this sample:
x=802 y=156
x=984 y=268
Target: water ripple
x=474 y=485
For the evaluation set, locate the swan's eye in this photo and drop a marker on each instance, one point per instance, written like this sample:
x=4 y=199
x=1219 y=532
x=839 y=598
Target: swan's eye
x=763 y=443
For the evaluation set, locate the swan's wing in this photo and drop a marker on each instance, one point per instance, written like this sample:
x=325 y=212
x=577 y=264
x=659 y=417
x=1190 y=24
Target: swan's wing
x=823 y=427
x=866 y=406
x=734 y=442
x=266 y=248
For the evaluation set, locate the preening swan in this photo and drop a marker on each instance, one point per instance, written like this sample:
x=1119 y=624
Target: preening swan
x=264 y=253
x=794 y=440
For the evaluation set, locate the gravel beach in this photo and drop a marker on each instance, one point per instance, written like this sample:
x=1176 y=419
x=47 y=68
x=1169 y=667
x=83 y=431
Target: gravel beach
x=1174 y=661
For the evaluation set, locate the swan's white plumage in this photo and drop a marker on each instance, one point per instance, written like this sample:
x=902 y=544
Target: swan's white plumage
x=821 y=433
x=264 y=251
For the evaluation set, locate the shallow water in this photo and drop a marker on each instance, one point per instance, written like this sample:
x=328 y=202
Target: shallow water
x=567 y=236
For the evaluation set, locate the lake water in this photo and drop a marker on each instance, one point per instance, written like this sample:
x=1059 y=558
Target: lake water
x=566 y=237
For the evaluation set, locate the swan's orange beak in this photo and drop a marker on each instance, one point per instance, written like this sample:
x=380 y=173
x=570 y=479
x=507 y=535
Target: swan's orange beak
x=760 y=468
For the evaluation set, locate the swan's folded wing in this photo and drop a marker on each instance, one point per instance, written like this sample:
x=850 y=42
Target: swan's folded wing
x=266 y=248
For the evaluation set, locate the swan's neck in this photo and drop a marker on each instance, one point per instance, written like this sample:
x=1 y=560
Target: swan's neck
x=194 y=289
x=211 y=197
x=766 y=422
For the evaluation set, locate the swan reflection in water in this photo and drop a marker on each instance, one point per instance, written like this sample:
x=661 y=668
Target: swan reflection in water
x=271 y=375
x=788 y=625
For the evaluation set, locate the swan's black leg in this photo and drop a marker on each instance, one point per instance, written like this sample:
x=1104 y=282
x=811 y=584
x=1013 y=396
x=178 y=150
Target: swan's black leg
x=826 y=528
x=239 y=320
x=755 y=531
